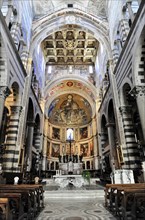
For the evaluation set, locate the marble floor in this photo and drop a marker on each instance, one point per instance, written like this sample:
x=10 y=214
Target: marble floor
x=74 y=209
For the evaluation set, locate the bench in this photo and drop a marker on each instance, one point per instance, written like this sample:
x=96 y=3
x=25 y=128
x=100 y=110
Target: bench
x=15 y=205
x=31 y=197
x=120 y=198
x=5 y=213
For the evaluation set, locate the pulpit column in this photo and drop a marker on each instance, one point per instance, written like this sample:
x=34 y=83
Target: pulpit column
x=113 y=153
x=29 y=142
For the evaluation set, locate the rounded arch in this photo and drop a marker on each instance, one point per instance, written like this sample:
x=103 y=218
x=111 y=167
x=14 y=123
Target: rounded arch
x=103 y=123
x=127 y=99
x=89 y=92
x=92 y=103
x=30 y=113
x=37 y=120
x=110 y=112
x=15 y=92
x=14 y=95
x=49 y=24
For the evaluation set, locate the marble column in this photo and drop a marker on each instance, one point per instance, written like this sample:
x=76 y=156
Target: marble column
x=4 y=92
x=113 y=153
x=11 y=157
x=130 y=151
x=96 y=154
x=45 y=154
x=29 y=142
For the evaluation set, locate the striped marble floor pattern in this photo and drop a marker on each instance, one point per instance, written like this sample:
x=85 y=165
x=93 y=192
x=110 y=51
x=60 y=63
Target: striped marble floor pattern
x=76 y=209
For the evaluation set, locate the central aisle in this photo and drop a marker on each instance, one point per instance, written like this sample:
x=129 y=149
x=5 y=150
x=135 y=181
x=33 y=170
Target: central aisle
x=74 y=208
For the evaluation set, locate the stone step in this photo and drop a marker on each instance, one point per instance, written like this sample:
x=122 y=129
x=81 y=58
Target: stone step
x=74 y=194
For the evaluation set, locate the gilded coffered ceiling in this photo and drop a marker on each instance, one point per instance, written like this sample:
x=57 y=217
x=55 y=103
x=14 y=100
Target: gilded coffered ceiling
x=95 y=7
x=70 y=46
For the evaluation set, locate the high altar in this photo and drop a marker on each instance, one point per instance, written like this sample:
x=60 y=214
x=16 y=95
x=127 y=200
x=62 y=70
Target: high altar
x=69 y=174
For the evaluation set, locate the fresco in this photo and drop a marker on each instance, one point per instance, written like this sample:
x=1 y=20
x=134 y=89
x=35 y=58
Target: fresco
x=70 y=109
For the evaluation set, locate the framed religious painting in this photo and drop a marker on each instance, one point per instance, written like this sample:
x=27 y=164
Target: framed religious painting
x=56 y=133
x=83 y=132
x=55 y=150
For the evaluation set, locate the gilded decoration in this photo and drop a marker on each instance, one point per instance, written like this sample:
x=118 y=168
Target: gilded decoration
x=70 y=110
x=70 y=46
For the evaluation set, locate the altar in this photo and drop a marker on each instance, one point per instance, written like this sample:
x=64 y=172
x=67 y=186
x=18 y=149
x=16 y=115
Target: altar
x=66 y=180
x=70 y=167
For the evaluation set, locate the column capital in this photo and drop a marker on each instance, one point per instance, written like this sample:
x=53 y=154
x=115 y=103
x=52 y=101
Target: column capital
x=110 y=124
x=137 y=91
x=31 y=123
x=4 y=92
x=16 y=109
x=125 y=109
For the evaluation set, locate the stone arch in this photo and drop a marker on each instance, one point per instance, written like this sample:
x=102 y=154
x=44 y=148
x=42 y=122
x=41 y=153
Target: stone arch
x=15 y=93
x=110 y=112
x=92 y=103
x=92 y=24
x=30 y=113
x=126 y=96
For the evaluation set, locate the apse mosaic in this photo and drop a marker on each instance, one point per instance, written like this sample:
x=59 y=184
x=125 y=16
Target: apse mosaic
x=70 y=109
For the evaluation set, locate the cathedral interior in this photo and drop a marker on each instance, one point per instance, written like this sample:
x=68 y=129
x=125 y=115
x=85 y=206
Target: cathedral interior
x=72 y=88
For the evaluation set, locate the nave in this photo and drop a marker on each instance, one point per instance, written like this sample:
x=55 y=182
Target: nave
x=70 y=208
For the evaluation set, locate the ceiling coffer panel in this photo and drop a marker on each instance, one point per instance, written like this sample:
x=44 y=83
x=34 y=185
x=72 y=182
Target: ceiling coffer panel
x=70 y=46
